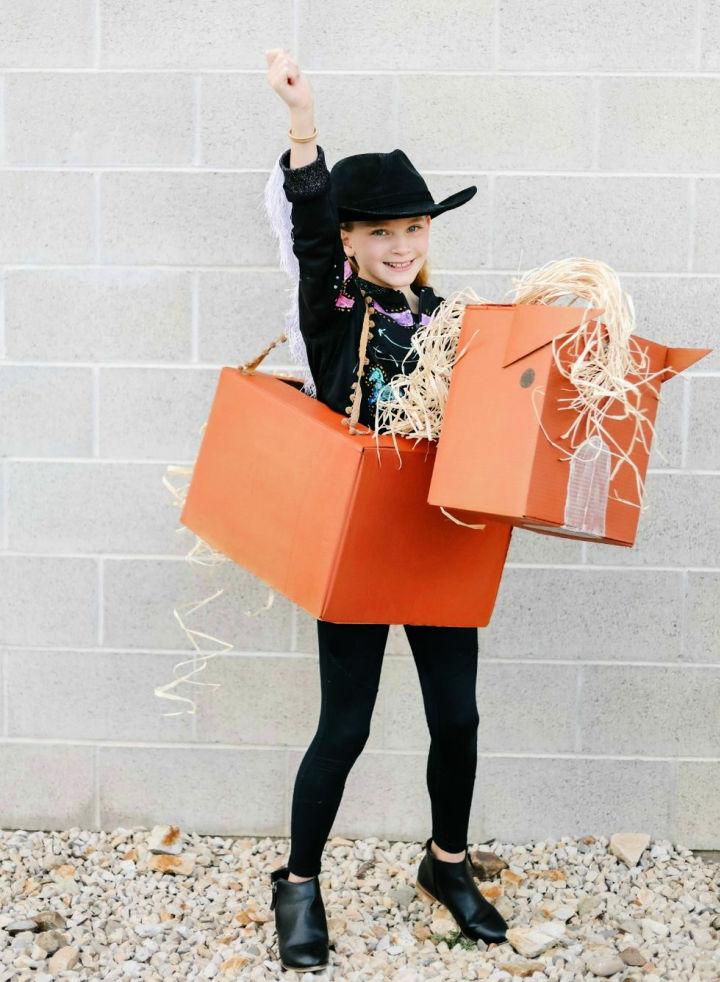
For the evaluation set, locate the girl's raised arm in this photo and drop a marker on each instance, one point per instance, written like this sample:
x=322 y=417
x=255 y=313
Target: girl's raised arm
x=285 y=77
x=316 y=232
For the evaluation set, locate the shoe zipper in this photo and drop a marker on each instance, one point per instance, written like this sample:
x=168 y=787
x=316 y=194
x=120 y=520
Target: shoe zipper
x=274 y=895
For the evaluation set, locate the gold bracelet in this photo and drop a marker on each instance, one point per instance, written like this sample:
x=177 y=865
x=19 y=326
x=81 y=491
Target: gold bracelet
x=303 y=139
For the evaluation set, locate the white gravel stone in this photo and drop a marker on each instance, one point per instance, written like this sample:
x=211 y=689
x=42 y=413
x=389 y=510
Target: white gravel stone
x=629 y=847
x=166 y=840
x=129 y=904
x=604 y=962
x=534 y=939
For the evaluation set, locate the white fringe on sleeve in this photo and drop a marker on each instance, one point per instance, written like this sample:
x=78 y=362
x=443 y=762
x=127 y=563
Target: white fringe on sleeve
x=279 y=211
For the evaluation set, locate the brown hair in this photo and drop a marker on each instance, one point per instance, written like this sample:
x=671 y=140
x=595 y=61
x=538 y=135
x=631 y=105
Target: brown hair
x=422 y=277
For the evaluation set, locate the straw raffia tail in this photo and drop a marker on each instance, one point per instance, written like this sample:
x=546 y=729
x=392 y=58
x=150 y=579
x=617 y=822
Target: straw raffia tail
x=163 y=691
x=458 y=521
x=203 y=554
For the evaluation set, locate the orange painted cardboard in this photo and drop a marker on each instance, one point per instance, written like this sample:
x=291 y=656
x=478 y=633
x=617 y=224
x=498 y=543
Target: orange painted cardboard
x=330 y=522
x=493 y=459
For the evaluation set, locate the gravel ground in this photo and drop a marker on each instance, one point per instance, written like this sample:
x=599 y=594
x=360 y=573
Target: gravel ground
x=163 y=904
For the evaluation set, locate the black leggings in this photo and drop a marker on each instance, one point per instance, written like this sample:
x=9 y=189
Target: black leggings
x=350 y=657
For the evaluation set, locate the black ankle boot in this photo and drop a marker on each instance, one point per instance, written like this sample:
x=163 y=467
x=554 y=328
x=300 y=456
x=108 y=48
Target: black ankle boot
x=453 y=885
x=299 y=922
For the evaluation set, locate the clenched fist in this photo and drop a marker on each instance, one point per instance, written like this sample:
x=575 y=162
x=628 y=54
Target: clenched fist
x=285 y=77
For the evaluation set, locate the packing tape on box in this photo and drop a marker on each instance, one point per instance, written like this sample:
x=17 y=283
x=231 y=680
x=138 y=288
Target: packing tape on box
x=588 y=488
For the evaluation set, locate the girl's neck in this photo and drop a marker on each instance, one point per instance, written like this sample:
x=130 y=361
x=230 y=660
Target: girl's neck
x=411 y=297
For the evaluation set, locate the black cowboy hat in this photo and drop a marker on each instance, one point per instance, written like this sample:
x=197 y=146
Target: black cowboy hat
x=385 y=185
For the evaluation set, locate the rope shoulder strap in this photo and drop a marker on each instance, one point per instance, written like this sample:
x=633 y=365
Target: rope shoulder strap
x=353 y=409
x=248 y=367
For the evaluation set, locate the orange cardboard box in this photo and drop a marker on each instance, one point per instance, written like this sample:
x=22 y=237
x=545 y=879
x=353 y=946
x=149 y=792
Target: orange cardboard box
x=495 y=457
x=328 y=520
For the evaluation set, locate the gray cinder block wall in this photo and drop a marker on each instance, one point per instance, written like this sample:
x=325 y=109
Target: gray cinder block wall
x=136 y=261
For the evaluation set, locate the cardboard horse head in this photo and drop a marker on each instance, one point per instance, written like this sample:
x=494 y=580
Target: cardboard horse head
x=502 y=454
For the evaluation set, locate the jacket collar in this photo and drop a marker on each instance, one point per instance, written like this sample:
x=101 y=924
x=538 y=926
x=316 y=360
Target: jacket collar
x=389 y=295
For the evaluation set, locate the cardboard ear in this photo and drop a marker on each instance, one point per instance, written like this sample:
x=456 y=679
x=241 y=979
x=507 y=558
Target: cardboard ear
x=536 y=324
x=678 y=359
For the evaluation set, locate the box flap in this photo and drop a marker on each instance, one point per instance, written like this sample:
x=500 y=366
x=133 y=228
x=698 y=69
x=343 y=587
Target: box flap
x=678 y=359
x=536 y=324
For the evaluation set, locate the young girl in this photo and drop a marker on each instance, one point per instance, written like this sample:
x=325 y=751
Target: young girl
x=361 y=236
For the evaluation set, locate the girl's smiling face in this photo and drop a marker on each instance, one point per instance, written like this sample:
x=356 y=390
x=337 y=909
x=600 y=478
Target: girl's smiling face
x=389 y=252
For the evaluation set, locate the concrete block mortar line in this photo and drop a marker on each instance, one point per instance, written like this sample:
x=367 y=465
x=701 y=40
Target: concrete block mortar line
x=692 y=218
x=97 y=33
x=395 y=104
x=579 y=682
x=216 y=366
x=5 y=699
x=183 y=745
x=2 y=270
x=595 y=134
x=95 y=371
x=491 y=222
x=699 y=28
x=170 y=557
x=212 y=170
x=197 y=151
x=610 y=567
x=101 y=601
x=99 y=460
x=194 y=317
x=690 y=472
x=672 y=791
x=3 y=350
x=73 y=459
x=570 y=73
x=685 y=423
x=682 y=616
x=97 y=222
x=383 y=702
x=3 y=159
x=495 y=53
x=175 y=558
x=235 y=268
x=5 y=498
x=296 y=31
x=311 y=657
x=140 y=365
x=287 y=797
x=96 y=787
x=194 y=714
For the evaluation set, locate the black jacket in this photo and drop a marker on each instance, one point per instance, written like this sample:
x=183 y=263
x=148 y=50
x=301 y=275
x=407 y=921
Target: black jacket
x=331 y=306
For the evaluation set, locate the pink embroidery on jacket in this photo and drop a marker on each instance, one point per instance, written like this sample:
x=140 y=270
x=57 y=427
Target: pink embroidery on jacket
x=343 y=300
x=402 y=317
